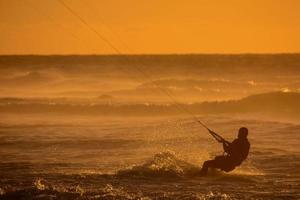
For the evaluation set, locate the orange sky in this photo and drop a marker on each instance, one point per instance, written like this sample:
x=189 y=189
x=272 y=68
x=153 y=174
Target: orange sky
x=150 y=26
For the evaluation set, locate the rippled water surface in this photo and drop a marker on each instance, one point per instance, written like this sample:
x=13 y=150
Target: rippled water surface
x=145 y=159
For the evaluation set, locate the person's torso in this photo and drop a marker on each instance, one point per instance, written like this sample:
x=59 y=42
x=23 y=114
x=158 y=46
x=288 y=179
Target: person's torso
x=239 y=150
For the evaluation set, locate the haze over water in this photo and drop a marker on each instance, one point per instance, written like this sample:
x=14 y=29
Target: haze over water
x=95 y=127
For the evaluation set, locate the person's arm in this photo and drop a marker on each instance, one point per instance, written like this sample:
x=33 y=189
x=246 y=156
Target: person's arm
x=226 y=146
x=225 y=143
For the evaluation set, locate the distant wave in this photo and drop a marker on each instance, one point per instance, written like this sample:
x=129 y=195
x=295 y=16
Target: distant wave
x=282 y=103
x=32 y=79
x=197 y=84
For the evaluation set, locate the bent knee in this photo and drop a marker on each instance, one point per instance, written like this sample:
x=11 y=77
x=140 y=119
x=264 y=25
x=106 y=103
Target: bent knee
x=208 y=163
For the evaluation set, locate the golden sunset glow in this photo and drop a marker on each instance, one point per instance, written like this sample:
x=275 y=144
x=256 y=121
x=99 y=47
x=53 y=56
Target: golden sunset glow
x=149 y=99
x=150 y=27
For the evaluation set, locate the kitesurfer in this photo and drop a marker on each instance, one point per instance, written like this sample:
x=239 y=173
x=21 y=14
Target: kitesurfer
x=234 y=153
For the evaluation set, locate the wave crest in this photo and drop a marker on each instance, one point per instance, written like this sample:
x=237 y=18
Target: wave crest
x=163 y=164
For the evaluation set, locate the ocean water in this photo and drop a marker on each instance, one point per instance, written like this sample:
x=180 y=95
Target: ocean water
x=95 y=127
x=144 y=158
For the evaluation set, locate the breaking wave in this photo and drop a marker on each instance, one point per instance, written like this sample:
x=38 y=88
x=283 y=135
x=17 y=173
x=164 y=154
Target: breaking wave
x=276 y=103
x=167 y=165
x=163 y=164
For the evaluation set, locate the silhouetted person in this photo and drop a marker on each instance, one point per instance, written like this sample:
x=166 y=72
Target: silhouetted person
x=236 y=152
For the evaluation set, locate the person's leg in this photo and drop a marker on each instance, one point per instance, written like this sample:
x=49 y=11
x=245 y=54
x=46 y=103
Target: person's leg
x=217 y=163
x=227 y=165
x=208 y=164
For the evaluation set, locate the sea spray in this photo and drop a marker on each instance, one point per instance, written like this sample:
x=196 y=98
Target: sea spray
x=163 y=164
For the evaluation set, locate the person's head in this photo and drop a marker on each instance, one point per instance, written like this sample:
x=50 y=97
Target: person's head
x=243 y=133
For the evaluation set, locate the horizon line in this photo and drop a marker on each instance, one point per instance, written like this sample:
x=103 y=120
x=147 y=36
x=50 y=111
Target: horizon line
x=154 y=54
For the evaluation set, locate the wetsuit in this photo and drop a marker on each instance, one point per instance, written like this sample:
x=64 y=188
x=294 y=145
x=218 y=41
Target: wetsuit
x=237 y=152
